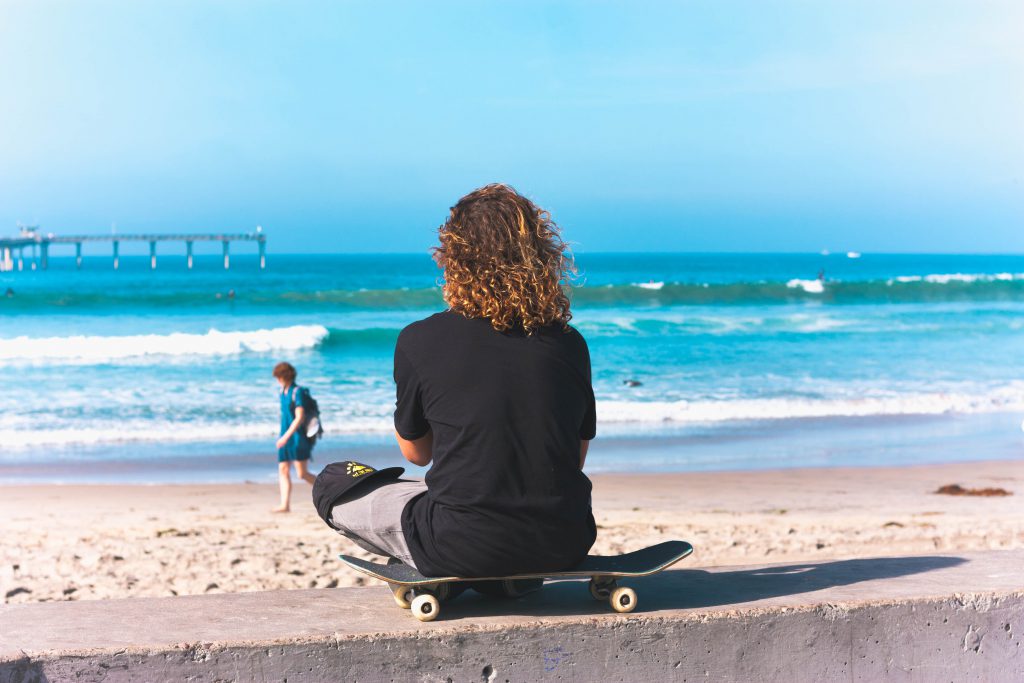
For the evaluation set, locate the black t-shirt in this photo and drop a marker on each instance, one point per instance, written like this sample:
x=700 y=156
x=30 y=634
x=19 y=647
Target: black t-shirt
x=508 y=410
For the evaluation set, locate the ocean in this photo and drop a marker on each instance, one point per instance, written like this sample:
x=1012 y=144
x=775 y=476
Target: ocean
x=700 y=361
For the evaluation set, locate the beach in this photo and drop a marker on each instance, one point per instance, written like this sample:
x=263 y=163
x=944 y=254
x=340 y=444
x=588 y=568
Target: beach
x=758 y=274
x=761 y=414
x=88 y=542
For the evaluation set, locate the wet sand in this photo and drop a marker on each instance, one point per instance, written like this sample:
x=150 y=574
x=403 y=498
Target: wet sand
x=77 y=542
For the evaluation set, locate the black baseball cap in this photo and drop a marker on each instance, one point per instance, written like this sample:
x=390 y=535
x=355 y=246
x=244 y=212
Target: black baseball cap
x=338 y=478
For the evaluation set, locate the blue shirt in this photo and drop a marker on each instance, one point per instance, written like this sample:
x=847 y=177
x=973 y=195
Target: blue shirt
x=298 y=446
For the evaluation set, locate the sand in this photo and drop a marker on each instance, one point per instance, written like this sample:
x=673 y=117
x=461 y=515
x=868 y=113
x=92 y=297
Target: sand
x=83 y=542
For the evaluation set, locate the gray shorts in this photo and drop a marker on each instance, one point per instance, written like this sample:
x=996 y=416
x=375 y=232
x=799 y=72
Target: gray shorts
x=372 y=516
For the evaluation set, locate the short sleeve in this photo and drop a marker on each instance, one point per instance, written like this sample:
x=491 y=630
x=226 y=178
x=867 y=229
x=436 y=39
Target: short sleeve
x=588 y=427
x=410 y=422
x=298 y=397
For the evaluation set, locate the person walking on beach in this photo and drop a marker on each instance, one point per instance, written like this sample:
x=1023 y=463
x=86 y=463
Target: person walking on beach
x=495 y=393
x=293 y=444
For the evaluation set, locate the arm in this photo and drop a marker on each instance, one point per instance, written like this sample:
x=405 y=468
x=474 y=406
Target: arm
x=292 y=428
x=588 y=427
x=417 y=451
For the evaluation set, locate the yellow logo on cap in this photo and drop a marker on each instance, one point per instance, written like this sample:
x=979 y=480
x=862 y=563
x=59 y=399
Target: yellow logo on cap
x=354 y=469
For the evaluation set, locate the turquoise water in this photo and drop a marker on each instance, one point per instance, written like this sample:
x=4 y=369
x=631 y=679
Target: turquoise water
x=103 y=366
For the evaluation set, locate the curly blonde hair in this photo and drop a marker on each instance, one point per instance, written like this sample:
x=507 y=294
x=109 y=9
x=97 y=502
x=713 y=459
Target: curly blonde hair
x=504 y=259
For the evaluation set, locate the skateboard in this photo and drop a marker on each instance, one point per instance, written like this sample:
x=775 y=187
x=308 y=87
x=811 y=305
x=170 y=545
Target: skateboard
x=423 y=595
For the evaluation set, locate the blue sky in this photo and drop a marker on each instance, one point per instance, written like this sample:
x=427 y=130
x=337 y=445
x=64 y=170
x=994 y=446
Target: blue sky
x=685 y=126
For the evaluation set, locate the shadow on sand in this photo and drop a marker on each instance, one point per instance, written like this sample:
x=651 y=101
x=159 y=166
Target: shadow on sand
x=695 y=588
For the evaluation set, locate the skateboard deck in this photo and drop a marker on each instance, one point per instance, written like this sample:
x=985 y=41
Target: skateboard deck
x=423 y=594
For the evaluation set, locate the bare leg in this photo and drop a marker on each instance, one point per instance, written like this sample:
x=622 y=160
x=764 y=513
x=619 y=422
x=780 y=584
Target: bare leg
x=284 y=475
x=302 y=468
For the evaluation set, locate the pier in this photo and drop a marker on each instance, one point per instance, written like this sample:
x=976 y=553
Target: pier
x=13 y=249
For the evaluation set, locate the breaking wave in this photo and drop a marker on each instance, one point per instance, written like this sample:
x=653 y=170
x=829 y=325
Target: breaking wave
x=105 y=349
x=1009 y=398
x=614 y=416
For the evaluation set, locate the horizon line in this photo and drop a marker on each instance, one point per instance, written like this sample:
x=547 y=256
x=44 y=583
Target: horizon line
x=601 y=252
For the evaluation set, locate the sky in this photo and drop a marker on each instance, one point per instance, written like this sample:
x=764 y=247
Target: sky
x=642 y=126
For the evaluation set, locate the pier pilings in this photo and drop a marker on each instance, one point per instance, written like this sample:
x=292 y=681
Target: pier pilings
x=12 y=249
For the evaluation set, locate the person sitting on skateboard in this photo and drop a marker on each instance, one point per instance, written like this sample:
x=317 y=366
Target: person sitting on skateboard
x=495 y=394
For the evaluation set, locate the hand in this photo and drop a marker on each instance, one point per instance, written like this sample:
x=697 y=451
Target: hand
x=282 y=442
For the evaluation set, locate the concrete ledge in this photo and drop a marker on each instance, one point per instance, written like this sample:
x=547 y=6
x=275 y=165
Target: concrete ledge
x=907 y=619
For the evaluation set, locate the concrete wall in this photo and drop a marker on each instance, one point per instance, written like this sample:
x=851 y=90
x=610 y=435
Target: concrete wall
x=902 y=619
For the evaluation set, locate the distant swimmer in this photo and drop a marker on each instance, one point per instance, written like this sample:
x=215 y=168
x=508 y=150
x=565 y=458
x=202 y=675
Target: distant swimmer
x=231 y=294
x=632 y=383
x=821 y=275
x=9 y=293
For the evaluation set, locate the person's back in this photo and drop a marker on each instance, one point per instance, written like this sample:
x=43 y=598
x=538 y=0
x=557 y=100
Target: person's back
x=495 y=392
x=507 y=411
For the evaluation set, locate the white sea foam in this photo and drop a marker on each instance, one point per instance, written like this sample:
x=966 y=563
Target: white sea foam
x=649 y=285
x=104 y=349
x=152 y=432
x=946 y=278
x=814 y=323
x=18 y=433
x=687 y=322
x=809 y=286
x=163 y=431
x=1009 y=399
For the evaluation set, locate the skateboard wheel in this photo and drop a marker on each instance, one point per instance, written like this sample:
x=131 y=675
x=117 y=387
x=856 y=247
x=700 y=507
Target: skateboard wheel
x=425 y=607
x=601 y=590
x=403 y=596
x=623 y=599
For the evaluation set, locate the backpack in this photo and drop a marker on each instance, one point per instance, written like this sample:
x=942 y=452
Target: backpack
x=311 y=415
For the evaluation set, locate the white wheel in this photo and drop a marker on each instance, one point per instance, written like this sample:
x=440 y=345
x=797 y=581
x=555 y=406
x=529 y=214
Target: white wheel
x=600 y=590
x=403 y=596
x=425 y=607
x=623 y=599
